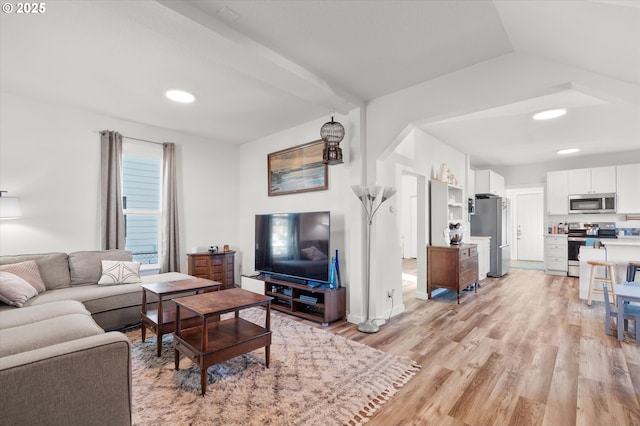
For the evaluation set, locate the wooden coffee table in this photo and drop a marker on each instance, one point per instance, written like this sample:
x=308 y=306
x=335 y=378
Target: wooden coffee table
x=214 y=340
x=161 y=321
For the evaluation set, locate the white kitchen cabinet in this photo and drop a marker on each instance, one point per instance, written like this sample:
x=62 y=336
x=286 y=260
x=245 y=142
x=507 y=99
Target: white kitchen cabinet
x=556 y=254
x=489 y=182
x=592 y=181
x=484 y=253
x=627 y=177
x=557 y=192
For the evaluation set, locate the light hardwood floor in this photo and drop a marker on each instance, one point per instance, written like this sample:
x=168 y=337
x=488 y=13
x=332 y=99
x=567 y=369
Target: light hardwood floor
x=524 y=350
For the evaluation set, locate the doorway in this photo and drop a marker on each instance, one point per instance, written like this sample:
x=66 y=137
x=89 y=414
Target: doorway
x=528 y=227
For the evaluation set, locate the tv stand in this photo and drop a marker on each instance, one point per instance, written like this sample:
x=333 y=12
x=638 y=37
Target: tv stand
x=317 y=304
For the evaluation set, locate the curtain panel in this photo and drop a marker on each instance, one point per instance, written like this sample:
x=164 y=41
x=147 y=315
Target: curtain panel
x=169 y=235
x=112 y=216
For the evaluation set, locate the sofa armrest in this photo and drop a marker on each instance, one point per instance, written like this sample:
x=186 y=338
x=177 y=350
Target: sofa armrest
x=84 y=381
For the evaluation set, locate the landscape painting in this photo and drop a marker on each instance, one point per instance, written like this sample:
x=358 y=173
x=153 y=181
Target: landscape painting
x=297 y=169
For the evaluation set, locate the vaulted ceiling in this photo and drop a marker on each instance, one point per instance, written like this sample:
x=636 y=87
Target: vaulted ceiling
x=258 y=67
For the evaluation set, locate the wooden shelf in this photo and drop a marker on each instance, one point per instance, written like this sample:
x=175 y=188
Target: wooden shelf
x=222 y=334
x=330 y=305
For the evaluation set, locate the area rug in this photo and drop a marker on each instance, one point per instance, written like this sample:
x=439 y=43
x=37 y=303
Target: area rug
x=315 y=378
x=528 y=264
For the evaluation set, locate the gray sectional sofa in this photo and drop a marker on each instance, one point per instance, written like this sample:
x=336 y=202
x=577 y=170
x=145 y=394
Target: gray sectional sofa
x=74 y=276
x=57 y=363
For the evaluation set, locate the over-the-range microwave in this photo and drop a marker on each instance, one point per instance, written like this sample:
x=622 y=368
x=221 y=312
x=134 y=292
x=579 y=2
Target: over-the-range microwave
x=592 y=203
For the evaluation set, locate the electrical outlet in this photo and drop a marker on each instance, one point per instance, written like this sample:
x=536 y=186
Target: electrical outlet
x=390 y=293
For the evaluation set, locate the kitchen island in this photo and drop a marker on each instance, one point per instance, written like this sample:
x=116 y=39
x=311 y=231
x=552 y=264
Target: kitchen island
x=621 y=251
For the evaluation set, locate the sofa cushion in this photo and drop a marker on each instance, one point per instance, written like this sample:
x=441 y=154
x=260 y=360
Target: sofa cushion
x=28 y=271
x=47 y=332
x=14 y=290
x=53 y=267
x=118 y=272
x=86 y=266
x=95 y=298
x=15 y=317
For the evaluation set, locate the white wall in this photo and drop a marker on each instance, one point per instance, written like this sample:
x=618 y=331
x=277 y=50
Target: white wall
x=338 y=199
x=50 y=158
x=419 y=155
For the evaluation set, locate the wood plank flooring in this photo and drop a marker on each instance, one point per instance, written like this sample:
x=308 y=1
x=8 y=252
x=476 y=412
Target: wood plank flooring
x=524 y=350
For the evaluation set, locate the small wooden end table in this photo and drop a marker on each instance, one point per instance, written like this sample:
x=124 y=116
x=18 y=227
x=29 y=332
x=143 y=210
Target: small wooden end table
x=216 y=341
x=161 y=321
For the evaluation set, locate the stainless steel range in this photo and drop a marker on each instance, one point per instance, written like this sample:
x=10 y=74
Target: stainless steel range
x=579 y=233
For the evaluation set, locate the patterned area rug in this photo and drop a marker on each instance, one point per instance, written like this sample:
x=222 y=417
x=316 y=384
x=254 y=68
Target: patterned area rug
x=315 y=378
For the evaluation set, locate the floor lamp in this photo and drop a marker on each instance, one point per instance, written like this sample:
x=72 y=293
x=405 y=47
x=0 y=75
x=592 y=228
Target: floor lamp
x=368 y=196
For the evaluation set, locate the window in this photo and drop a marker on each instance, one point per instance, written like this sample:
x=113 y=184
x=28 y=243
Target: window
x=141 y=193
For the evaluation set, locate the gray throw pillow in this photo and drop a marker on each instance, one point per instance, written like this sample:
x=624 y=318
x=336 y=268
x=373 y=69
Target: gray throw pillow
x=86 y=266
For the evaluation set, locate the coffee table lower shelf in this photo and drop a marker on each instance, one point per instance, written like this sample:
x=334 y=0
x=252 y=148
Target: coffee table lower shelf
x=226 y=339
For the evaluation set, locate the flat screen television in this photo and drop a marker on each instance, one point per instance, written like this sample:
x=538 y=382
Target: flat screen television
x=294 y=245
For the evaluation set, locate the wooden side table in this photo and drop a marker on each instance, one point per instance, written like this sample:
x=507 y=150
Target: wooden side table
x=214 y=340
x=218 y=266
x=452 y=267
x=162 y=320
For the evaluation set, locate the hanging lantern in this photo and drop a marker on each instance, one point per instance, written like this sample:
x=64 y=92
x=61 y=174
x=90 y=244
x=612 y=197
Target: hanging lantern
x=332 y=133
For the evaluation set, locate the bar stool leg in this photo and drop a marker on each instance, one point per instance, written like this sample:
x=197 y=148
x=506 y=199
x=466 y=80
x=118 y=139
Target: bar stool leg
x=613 y=281
x=593 y=268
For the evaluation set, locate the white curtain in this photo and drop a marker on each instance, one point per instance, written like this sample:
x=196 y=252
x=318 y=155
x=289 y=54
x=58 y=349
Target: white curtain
x=169 y=247
x=112 y=216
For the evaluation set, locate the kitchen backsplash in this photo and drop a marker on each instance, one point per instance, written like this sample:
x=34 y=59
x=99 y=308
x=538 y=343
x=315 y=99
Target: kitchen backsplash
x=628 y=232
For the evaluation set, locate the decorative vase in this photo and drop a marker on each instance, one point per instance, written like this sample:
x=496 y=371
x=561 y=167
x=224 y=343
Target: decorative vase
x=443 y=175
x=455 y=233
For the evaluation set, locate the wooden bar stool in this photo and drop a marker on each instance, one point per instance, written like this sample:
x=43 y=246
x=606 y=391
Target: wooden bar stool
x=609 y=270
x=632 y=268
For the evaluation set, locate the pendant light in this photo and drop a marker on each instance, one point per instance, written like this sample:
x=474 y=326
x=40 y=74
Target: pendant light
x=332 y=133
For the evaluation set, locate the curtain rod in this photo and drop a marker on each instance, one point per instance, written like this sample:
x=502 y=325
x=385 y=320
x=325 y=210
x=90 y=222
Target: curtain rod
x=142 y=140
x=135 y=139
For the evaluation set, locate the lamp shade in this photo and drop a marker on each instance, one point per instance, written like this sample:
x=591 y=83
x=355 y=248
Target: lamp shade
x=332 y=132
x=10 y=208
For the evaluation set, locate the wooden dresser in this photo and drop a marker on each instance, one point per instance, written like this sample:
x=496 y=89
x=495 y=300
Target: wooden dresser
x=454 y=267
x=213 y=266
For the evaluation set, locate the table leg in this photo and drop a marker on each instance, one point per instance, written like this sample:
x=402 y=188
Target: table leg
x=203 y=379
x=176 y=353
x=267 y=325
x=620 y=322
x=144 y=312
x=159 y=325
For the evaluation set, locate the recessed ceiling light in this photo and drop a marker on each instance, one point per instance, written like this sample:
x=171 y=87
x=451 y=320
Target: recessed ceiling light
x=180 y=96
x=550 y=113
x=568 y=151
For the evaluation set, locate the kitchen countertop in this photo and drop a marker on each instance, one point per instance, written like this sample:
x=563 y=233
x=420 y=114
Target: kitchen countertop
x=620 y=242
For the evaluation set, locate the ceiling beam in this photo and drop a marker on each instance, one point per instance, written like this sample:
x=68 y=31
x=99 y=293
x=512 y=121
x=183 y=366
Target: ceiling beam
x=256 y=61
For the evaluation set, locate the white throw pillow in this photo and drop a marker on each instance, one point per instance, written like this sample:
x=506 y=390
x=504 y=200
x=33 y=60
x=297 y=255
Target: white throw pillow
x=14 y=290
x=117 y=272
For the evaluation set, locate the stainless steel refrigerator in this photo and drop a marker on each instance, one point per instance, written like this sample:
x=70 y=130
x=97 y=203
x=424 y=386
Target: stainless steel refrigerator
x=491 y=220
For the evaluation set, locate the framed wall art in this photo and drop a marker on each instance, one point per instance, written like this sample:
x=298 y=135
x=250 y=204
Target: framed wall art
x=297 y=169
